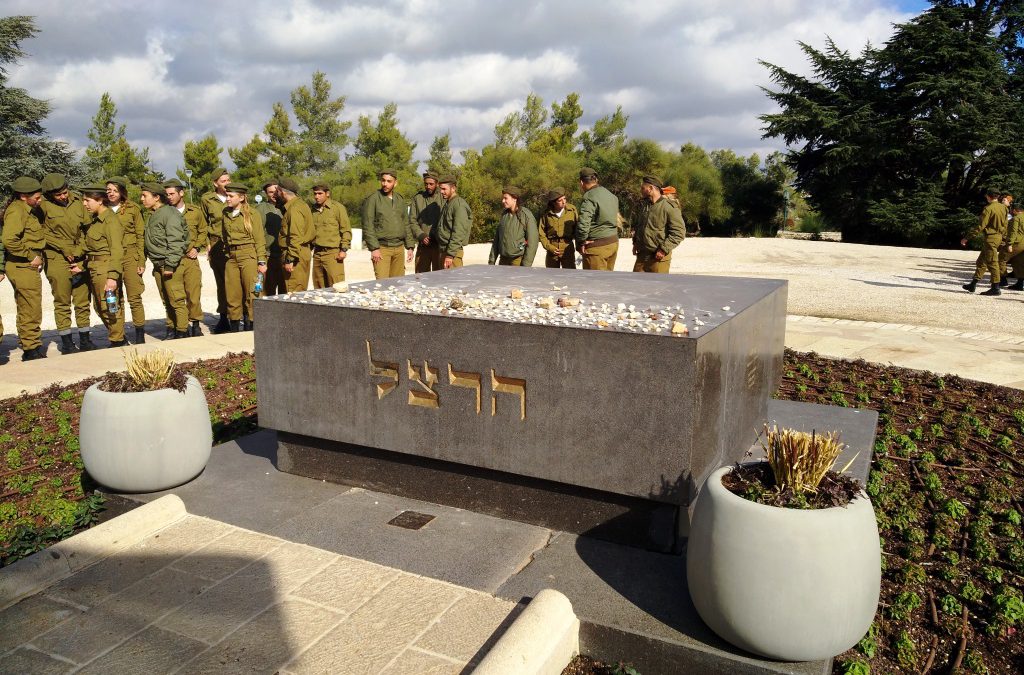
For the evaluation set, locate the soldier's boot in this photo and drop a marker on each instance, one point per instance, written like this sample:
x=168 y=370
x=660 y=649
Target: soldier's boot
x=33 y=354
x=196 y=329
x=233 y=326
x=1004 y=282
x=1019 y=286
x=118 y=343
x=171 y=334
x=67 y=344
x=85 y=343
x=140 y=334
x=970 y=288
x=222 y=326
x=178 y=334
x=247 y=325
x=994 y=290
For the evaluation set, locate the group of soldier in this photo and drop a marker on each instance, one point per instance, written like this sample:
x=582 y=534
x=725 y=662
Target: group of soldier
x=1001 y=231
x=94 y=245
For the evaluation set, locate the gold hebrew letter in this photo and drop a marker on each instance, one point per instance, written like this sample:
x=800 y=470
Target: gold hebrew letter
x=428 y=398
x=382 y=369
x=508 y=385
x=469 y=380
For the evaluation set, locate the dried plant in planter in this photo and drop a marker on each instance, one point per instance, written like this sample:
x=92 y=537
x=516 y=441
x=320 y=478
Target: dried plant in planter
x=798 y=472
x=146 y=372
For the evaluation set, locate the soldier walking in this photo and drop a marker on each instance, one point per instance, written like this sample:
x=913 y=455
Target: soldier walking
x=657 y=230
x=597 y=234
x=556 y=230
x=134 y=258
x=386 y=228
x=333 y=238
x=191 y=274
x=1015 y=246
x=23 y=242
x=991 y=228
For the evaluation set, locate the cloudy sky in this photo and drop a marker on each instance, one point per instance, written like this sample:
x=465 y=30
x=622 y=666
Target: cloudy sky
x=683 y=70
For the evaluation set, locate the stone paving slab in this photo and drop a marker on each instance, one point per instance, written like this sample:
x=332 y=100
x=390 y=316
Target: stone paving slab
x=206 y=597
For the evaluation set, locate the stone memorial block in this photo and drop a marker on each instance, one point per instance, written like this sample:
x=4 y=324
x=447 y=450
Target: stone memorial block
x=635 y=384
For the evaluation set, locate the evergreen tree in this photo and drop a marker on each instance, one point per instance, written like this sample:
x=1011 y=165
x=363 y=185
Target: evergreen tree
x=284 y=154
x=202 y=157
x=441 y=154
x=322 y=136
x=383 y=143
x=109 y=153
x=250 y=168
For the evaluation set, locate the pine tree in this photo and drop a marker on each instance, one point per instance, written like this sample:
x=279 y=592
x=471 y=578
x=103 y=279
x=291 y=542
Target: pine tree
x=322 y=136
x=109 y=153
x=202 y=157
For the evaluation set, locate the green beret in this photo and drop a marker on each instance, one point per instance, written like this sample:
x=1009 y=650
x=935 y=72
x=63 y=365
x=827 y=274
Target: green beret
x=586 y=173
x=513 y=191
x=654 y=180
x=430 y=174
x=154 y=188
x=388 y=171
x=95 y=189
x=120 y=181
x=239 y=188
x=218 y=172
x=554 y=193
x=52 y=182
x=289 y=184
x=174 y=183
x=447 y=178
x=26 y=185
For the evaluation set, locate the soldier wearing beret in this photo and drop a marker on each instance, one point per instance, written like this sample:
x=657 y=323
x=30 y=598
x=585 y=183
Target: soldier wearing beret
x=274 y=281
x=451 y=233
x=245 y=243
x=597 y=234
x=991 y=229
x=386 y=228
x=104 y=251
x=515 y=240
x=24 y=241
x=167 y=243
x=556 y=230
x=134 y=259
x=333 y=238
x=64 y=219
x=1015 y=246
x=295 y=237
x=191 y=274
x=423 y=215
x=657 y=229
x=212 y=204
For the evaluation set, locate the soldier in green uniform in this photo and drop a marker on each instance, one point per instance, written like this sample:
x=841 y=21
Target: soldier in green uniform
x=3 y=275
x=134 y=260
x=1007 y=201
x=212 y=203
x=295 y=237
x=515 y=240
x=24 y=241
x=423 y=214
x=167 y=243
x=1015 y=246
x=386 y=228
x=556 y=230
x=657 y=230
x=64 y=218
x=597 y=234
x=991 y=229
x=104 y=251
x=191 y=274
x=245 y=242
x=451 y=233
x=333 y=238
x=273 y=283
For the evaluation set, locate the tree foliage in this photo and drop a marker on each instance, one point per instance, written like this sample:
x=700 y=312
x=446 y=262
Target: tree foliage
x=109 y=153
x=201 y=157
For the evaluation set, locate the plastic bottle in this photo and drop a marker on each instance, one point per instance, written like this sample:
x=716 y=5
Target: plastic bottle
x=257 y=287
x=111 y=299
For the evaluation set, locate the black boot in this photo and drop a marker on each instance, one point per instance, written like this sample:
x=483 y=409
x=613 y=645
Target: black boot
x=971 y=286
x=85 y=342
x=247 y=325
x=118 y=343
x=1019 y=286
x=1004 y=282
x=140 y=334
x=993 y=291
x=196 y=329
x=33 y=354
x=178 y=334
x=171 y=334
x=67 y=344
x=233 y=326
x=222 y=326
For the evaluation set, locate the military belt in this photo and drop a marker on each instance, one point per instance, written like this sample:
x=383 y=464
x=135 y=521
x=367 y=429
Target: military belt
x=17 y=258
x=603 y=241
x=99 y=257
x=319 y=249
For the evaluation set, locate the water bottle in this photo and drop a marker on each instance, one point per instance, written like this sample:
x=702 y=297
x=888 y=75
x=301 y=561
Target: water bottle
x=111 y=299
x=257 y=287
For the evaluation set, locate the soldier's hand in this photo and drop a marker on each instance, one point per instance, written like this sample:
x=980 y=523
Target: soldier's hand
x=341 y=256
x=375 y=256
x=193 y=253
x=659 y=255
x=70 y=258
x=111 y=285
x=75 y=269
x=262 y=268
x=426 y=241
x=288 y=267
x=408 y=255
x=140 y=270
x=37 y=262
x=168 y=274
x=448 y=260
x=2 y=276
x=634 y=249
x=963 y=242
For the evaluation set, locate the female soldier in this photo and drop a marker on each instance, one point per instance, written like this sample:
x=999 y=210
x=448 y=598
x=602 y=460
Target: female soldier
x=24 y=243
x=134 y=261
x=557 y=227
x=515 y=242
x=246 y=245
x=105 y=254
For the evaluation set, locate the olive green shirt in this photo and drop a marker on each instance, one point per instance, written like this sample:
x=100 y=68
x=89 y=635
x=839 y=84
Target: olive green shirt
x=332 y=227
x=599 y=213
x=198 y=226
x=296 y=230
x=423 y=213
x=658 y=226
x=167 y=239
x=386 y=221
x=63 y=225
x=992 y=224
x=1015 y=232
x=515 y=237
x=133 y=228
x=104 y=237
x=556 y=231
x=213 y=208
x=453 y=226
x=3 y=264
x=236 y=233
x=272 y=226
x=23 y=231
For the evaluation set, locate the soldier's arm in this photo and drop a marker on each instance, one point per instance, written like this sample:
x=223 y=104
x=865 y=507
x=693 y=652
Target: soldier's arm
x=13 y=231
x=177 y=237
x=543 y=237
x=588 y=210
x=140 y=235
x=3 y=263
x=115 y=240
x=531 y=239
x=259 y=235
x=369 y=233
x=344 y=227
x=675 y=229
x=460 y=232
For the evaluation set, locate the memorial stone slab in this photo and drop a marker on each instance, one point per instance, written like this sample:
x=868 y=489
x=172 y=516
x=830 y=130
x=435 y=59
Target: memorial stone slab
x=635 y=384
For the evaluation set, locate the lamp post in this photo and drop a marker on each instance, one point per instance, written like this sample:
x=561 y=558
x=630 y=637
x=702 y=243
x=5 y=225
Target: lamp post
x=188 y=177
x=785 y=208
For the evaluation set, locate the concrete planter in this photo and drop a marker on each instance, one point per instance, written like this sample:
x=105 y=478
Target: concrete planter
x=145 y=441
x=786 y=584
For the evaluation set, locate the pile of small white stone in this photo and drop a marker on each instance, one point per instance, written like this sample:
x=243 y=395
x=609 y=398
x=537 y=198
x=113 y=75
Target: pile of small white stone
x=557 y=308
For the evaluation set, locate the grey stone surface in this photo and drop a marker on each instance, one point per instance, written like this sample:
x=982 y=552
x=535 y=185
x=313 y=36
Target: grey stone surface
x=468 y=630
x=151 y=651
x=226 y=555
x=30 y=617
x=462 y=547
x=31 y=662
x=703 y=393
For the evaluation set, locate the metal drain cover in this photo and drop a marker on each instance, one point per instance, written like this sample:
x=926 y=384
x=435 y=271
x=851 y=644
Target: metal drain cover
x=411 y=520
